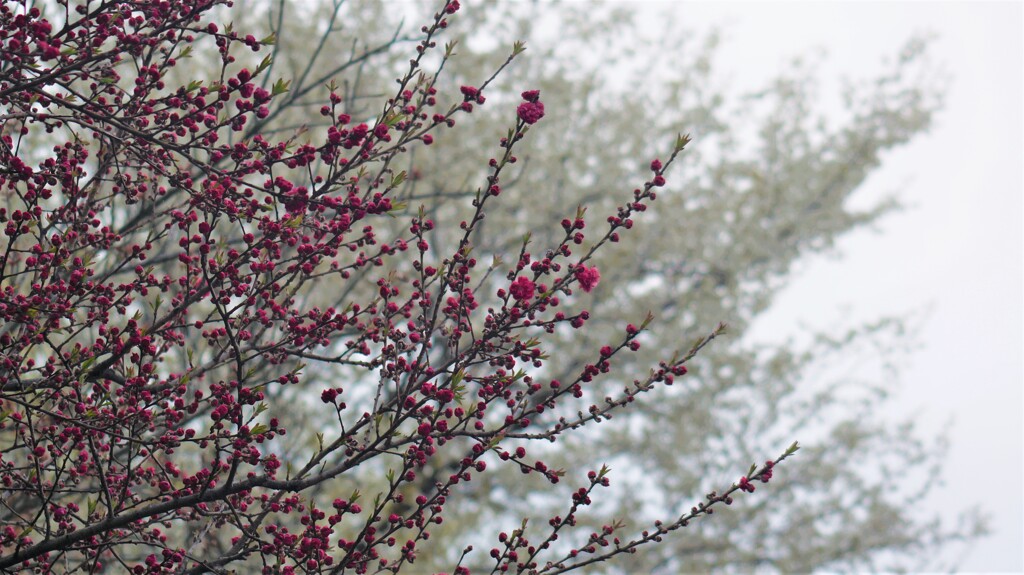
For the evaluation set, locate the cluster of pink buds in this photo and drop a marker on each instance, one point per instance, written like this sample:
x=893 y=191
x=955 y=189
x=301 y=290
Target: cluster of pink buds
x=765 y=477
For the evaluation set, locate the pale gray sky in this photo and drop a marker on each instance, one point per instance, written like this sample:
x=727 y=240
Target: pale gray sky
x=957 y=250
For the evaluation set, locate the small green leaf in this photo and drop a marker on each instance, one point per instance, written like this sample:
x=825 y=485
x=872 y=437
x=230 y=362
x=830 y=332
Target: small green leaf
x=264 y=64
x=681 y=141
x=280 y=86
x=397 y=207
x=647 y=320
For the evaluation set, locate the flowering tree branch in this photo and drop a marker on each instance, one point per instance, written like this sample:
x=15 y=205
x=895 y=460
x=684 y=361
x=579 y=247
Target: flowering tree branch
x=174 y=275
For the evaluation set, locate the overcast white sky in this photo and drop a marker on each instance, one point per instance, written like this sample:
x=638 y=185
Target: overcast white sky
x=957 y=251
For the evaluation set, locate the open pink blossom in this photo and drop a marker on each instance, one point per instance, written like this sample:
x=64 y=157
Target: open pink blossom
x=522 y=289
x=588 y=277
x=532 y=109
x=530 y=112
